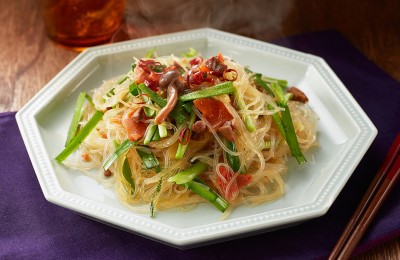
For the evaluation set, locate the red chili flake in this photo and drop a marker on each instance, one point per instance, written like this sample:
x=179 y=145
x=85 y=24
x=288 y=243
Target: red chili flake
x=196 y=61
x=151 y=66
x=230 y=74
x=199 y=77
x=184 y=135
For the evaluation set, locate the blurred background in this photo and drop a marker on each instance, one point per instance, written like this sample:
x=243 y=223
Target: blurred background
x=369 y=25
x=373 y=27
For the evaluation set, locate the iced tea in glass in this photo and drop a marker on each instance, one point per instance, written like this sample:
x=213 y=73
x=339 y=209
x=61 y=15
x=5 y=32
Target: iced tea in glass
x=82 y=23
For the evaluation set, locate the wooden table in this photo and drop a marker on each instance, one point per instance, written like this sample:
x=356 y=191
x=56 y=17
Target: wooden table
x=28 y=59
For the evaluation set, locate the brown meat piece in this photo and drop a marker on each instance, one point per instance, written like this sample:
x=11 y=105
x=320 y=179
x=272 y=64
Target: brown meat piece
x=216 y=66
x=298 y=95
x=199 y=127
x=226 y=130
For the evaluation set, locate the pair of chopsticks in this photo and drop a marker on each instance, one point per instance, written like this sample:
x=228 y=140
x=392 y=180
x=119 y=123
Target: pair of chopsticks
x=370 y=204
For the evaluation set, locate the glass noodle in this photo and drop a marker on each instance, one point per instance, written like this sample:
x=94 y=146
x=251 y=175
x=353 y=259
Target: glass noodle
x=260 y=149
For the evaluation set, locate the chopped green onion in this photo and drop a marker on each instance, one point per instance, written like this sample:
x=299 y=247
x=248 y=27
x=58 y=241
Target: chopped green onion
x=90 y=100
x=223 y=88
x=176 y=113
x=188 y=106
x=122 y=148
x=179 y=114
x=152 y=95
x=147 y=156
x=148 y=111
x=151 y=129
x=288 y=96
x=115 y=143
x=207 y=193
x=190 y=54
x=150 y=53
x=73 y=127
x=111 y=92
x=291 y=137
x=262 y=83
x=248 y=120
x=122 y=80
x=133 y=66
x=265 y=82
x=156 y=136
x=133 y=89
x=162 y=130
x=290 y=134
x=278 y=121
x=190 y=173
x=158 y=189
x=78 y=139
x=127 y=173
x=233 y=160
x=180 y=152
x=281 y=82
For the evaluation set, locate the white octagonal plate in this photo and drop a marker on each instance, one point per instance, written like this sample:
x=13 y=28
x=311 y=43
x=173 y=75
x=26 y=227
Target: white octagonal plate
x=344 y=134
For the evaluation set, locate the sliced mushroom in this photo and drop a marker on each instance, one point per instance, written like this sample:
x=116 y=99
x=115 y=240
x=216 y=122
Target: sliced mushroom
x=172 y=99
x=168 y=78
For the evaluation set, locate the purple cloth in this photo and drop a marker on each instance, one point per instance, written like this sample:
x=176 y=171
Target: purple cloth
x=31 y=227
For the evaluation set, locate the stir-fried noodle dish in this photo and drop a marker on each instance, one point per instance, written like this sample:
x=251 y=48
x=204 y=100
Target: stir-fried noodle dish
x=178 y=131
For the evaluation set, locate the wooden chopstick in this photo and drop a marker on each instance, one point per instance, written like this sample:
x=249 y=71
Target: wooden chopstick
x=382 y=184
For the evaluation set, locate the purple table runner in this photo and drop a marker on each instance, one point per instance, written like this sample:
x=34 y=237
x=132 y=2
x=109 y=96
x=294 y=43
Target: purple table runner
x=31 y=227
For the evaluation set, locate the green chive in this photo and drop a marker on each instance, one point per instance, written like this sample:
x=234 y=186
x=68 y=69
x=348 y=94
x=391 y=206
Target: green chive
x=223 y=88
x=190 y=173
x=180 y=152
x=90 y=100
x=124 y=146
x=127 y=173
x=73 y=128
x=151 y=129
x=148 y=111
x=158 y=189
x=152 y=95
x=150 y=53
x=122 y=80
x=263 y=84
x=291 y=137
x=78 y=139
x=233 y=160
x=148 y=158
x=190 y=54
x=287 y=123
x=207 y=193
x=248 y=120
x=156 y=136
x=278 y=121
x=162 y=130
x=133 y=89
